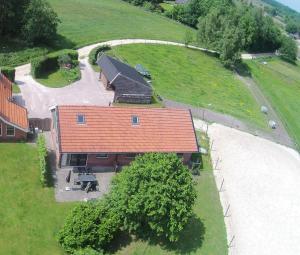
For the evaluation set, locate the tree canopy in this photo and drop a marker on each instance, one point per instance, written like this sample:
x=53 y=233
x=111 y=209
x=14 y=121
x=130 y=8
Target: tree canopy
x=154 y=196
x=31 y=20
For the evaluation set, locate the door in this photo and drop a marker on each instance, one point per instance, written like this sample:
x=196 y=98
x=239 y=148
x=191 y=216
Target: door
x=78 y=159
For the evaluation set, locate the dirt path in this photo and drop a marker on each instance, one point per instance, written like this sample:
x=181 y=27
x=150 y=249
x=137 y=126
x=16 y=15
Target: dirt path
x=279 y=134
x=229 y=121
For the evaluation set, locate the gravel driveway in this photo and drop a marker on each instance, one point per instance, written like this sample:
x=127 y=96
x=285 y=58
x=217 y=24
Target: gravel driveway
x=261 y=185
x=38 y=98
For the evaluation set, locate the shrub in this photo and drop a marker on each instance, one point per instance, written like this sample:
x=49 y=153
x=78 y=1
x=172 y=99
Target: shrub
x=9 y=72
x=42 y=153
x=94 y=53
x=289 y=49
x=50 y=62
x=90 y=225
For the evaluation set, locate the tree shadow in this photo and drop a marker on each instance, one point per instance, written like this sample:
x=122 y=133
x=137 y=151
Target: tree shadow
x=243 y=69
x=62 y=42
x=121 y=240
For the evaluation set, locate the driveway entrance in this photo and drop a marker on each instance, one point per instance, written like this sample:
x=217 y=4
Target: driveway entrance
x=38 y=98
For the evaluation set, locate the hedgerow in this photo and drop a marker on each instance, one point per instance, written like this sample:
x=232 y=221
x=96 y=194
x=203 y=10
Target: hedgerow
x=42 y=153
x=94 y=53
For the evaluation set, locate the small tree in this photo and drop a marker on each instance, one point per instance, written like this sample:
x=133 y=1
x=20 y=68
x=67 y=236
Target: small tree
x=288 y=49
x=156 y=194
x=90 y=225
x=40 y=22
x=65 y=61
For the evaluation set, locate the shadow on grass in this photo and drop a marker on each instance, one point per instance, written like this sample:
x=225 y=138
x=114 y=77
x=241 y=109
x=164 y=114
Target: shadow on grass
x=190 y=240
x=243 y=69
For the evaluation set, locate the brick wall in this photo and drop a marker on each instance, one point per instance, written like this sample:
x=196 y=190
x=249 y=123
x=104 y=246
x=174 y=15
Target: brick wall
x=19 y=134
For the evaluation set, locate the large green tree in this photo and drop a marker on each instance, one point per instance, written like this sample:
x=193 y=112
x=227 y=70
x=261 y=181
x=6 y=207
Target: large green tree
x=155 y=194
x=40 y=22
x=288 y=49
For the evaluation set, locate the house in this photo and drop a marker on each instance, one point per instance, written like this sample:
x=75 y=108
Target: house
x=14 y=123
x=128 y=85
x=96 y=136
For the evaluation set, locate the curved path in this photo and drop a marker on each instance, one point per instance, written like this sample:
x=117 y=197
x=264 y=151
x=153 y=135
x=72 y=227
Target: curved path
x=38 y=98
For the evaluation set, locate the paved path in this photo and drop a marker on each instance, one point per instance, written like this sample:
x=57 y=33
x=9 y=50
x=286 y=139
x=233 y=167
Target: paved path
x=38 y=98
x=276 y=135
x=261 y=185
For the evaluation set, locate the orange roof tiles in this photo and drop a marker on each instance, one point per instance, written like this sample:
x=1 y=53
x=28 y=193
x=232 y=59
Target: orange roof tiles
x=110 y=130
x=9 y=111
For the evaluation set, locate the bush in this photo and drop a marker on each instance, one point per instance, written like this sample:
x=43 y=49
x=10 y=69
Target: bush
x=50 y=62
x=90 y=225
x=94 y=53
x=42 y=153
x=9 y=72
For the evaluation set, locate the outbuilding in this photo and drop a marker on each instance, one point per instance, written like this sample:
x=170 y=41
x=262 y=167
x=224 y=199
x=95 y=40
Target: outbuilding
x=128 y=85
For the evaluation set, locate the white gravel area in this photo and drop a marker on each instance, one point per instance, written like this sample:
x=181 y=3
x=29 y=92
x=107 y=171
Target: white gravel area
x=261 y=185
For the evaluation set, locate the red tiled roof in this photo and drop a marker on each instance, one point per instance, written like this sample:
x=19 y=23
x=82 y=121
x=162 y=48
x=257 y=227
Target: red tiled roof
x=9 y=111
x=109 y=130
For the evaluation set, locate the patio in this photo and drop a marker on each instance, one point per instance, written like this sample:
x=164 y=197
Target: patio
x=68 y=191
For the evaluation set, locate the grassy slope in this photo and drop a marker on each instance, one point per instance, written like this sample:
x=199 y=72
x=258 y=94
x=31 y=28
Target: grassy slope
x=86 y=22
x=192 y=77
x=203 y=237
x=30 y=217
x=280 y=82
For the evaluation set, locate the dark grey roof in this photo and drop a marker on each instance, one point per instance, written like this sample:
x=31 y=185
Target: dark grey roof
x=125 y=85
x=113 y=68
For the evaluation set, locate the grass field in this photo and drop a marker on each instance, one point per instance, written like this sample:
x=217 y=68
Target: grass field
x=206 y=232
x=85 y=22
x=60 y=77
x=30 y=218
x=280 y=82
x=192 y=77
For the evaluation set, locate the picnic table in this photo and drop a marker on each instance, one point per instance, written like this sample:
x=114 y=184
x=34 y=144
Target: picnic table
x=87 y=182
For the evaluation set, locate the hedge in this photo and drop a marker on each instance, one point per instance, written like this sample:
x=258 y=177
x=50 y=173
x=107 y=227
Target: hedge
x=41 y=65
x=42 y=153
x=9 y=72
x=94 y=53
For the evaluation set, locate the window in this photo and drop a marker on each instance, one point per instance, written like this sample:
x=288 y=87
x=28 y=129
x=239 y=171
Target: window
x=0 y=129
x=179 y=155
x=135 y=120
x=10 y=130
x=101 y=156
x=80 y=119
x=130 y=155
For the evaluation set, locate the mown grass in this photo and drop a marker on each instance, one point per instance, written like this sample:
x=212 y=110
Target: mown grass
x=280 y=82
x=60 y=77
x=192 y=77
x=30 y=218
x=205 y=234
x=86 y=22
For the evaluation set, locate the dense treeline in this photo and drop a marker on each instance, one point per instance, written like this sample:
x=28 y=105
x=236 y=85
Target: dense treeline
x=231 y=30
x=33 y=21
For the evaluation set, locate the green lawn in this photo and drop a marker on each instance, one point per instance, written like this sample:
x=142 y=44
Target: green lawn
x=30 y=218
x=206 y=233
x=192 y=77
x=16 y=88
x=85 y=22
x=60 y=77
x=280 y=82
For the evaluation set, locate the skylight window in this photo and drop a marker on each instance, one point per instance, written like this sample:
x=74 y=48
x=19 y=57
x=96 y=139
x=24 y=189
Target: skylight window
x=135 y=120
x=80 y=119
